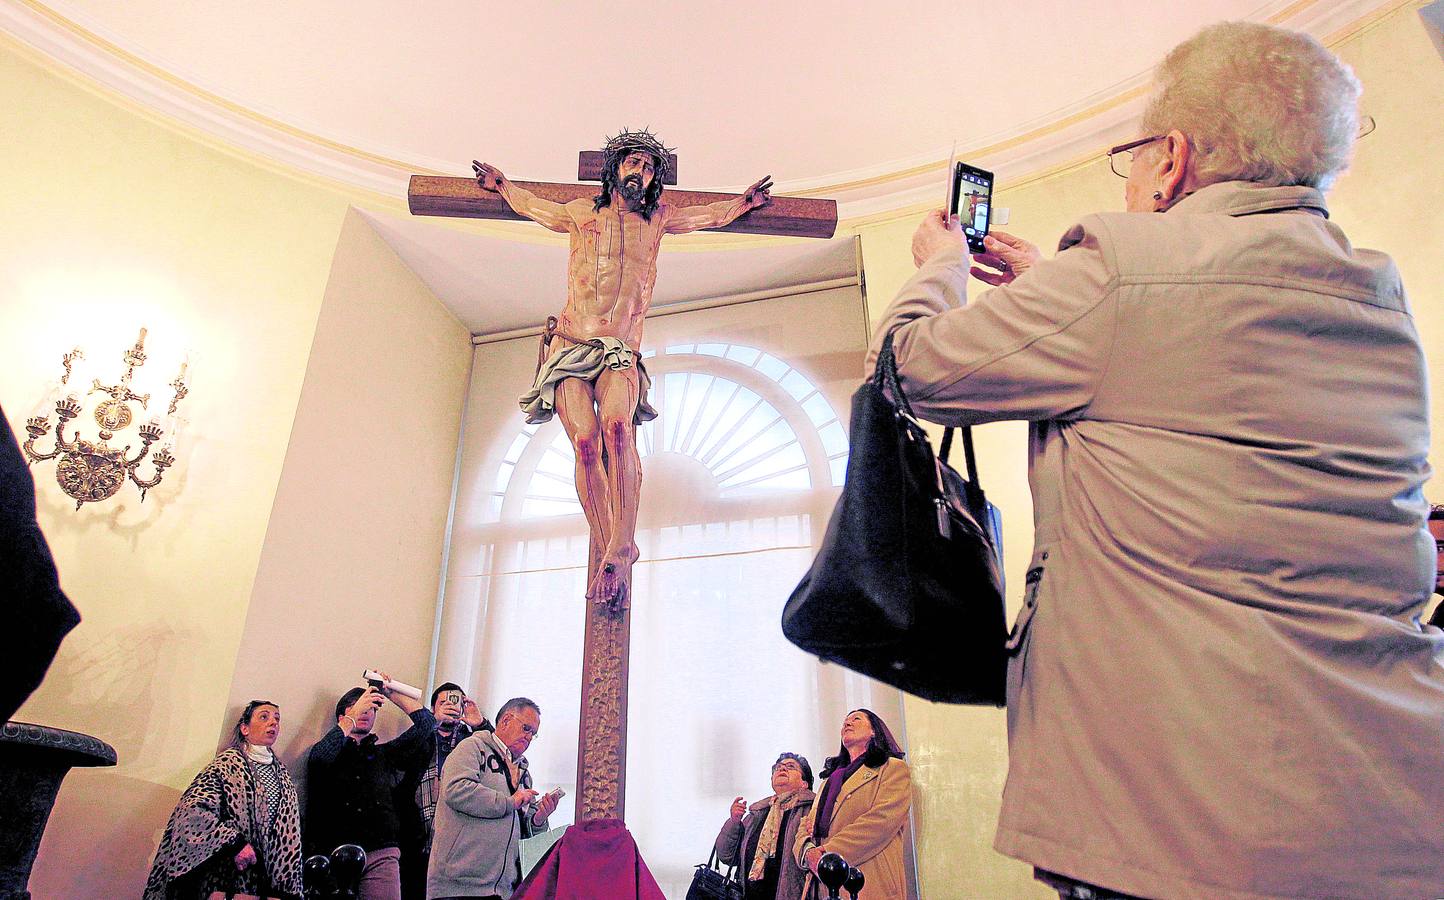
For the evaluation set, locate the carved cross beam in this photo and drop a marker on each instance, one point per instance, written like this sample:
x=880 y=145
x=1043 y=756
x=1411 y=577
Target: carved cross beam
x=434 y=195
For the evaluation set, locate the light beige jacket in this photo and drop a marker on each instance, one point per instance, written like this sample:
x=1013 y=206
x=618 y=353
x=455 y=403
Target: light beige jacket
x=1220 y=687
x=866 y=829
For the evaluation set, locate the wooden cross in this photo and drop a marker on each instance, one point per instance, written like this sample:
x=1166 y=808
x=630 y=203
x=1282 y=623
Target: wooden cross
x=435 y=195
x=602 y=744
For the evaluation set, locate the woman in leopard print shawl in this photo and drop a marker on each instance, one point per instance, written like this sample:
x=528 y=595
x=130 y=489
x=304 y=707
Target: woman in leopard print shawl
x=238 y=826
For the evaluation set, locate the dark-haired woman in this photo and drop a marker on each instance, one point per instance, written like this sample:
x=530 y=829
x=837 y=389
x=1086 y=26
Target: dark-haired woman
x=238 y=826
x=759 y=838
x=861 y=808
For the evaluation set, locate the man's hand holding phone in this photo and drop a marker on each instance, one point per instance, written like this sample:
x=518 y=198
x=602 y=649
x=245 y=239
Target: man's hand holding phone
x=522 y=797
x=547 y=805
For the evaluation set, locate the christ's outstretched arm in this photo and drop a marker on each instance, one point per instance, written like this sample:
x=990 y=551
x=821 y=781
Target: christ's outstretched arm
x=524 y=202
x=715 y=215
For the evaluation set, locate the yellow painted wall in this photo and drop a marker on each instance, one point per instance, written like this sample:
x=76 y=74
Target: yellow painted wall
x=349 y=572
x=1389 y=201
x=114 y=220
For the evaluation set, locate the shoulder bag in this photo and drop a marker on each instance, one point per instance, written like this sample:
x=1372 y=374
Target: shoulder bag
x=907 y=587
x=710 y=884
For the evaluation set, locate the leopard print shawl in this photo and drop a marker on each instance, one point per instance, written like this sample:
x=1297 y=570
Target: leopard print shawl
x=216 y=816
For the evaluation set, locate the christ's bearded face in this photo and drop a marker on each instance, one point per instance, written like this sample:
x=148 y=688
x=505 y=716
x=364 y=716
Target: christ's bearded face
x=634 y=175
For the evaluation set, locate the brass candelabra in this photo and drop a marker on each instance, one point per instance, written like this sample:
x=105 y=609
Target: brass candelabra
x=91 y=471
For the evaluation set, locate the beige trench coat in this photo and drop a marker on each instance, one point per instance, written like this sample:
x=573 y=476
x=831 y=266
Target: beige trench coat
x=866 y=829
x=1220 y=686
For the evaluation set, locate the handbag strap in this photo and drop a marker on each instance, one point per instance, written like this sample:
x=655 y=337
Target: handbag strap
x=885 y=375
x=715 y=863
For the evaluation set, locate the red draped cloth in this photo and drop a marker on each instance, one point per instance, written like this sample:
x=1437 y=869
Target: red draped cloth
x=594 y=860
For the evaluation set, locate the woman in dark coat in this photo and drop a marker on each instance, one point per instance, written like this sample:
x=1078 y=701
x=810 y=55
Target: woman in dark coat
x=238 y=826
x=758 y=839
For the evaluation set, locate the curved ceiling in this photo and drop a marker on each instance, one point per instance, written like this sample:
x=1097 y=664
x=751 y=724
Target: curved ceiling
x=837 y=99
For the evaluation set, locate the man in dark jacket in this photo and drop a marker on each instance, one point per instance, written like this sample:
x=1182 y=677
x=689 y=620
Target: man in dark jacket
x=457 y=716
x=350 y=781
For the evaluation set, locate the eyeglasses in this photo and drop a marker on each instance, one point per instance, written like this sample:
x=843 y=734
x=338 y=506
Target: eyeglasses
x=1118 y=163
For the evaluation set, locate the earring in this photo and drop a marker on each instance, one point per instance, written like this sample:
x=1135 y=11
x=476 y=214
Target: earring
x=1158 y=195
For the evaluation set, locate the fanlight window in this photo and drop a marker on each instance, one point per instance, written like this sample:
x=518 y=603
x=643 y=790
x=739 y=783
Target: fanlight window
x=756 y=423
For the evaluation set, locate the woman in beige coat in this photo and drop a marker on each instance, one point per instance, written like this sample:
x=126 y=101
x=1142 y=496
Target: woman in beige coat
x=1220 y=687
x=861 y=809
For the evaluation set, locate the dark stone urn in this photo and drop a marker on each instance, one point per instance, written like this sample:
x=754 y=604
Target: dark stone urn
x=33 y=760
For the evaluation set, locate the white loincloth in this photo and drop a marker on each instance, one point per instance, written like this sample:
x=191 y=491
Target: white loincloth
x=585 y=361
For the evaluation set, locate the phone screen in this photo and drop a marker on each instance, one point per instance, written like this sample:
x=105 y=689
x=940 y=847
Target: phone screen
x=973 y=204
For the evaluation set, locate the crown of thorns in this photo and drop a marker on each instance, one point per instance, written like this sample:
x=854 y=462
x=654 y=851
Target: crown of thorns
x=626 y=142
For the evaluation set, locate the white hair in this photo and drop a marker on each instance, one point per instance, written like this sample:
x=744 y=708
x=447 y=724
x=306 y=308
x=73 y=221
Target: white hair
x=1258 y=103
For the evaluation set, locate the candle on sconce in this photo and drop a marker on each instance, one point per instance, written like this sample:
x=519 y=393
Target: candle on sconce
x=173 y=426
x=187 y=368
x=183 y=379
x=46 y=407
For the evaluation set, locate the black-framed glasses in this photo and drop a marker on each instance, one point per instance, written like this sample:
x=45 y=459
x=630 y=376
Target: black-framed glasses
x=1119 y=163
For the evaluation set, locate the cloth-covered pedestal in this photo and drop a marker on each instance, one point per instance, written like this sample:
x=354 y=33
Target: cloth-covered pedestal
x=594 y=860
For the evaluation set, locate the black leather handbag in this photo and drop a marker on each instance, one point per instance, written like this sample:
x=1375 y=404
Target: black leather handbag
x=908 y=585
x=710 y=884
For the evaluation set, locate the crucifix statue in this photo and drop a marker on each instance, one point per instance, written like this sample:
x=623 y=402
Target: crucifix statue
x=593 y=378
x=589 y=373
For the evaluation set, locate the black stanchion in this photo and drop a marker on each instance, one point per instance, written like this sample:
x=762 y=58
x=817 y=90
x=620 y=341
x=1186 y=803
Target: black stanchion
x=337 y=877
x=832 y=872
x=316 y=877
x=854 y=881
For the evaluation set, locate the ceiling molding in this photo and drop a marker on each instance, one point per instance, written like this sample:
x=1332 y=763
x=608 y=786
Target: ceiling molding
x=1062 y=139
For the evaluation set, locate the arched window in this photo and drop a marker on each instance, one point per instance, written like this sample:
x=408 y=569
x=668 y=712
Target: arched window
x=740 y=472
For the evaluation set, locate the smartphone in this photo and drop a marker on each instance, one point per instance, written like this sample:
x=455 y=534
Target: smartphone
x=972 y=202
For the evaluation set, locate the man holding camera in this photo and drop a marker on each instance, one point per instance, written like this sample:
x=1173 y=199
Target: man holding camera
x=350 y=777
x=457 y=716
x=487 y=806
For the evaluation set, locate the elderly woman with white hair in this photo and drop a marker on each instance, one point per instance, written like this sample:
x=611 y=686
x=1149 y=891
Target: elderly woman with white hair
x=1219 y=685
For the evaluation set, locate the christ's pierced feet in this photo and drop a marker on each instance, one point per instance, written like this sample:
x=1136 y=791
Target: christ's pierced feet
x=613 y=583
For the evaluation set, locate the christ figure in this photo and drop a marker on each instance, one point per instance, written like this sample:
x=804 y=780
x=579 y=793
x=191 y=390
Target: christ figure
x=589 y=368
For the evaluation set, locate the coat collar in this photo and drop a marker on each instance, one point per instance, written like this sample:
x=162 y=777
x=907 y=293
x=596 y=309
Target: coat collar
x=804 y=796
x=859 y=778
x=1244 y=198
x=497 y=746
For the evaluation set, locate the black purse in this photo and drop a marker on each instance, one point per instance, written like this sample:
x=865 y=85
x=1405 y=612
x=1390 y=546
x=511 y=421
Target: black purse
x=710 y=884
x=908 y=585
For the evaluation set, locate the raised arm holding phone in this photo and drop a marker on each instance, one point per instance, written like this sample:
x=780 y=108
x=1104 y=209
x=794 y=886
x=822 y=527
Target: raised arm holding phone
x=351 y=776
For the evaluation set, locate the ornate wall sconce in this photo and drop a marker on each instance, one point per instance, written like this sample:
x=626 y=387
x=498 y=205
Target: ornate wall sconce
x=92 y=471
